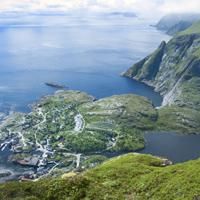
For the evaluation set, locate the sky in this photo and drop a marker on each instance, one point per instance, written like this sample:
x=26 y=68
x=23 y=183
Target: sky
x=141 y=7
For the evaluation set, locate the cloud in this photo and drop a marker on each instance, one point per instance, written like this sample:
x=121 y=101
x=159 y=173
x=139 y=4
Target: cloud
x=179 y=6
x=143 y=7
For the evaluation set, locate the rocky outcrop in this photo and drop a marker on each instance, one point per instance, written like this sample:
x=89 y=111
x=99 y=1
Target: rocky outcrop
x=147 y=68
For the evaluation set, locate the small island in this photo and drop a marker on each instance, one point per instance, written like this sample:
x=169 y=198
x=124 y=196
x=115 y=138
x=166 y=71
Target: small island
x=55 y=85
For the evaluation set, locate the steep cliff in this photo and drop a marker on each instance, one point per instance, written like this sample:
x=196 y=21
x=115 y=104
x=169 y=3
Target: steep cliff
x=173 y=69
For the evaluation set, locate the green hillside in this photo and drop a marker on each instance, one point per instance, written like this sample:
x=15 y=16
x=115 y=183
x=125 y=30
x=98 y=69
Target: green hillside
x=132 y=176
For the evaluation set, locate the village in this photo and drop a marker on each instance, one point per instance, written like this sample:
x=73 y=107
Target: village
x=69 y=131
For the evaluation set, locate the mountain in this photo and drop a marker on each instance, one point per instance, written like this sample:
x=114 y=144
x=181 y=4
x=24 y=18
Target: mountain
x=174 y=23
x=132 y=176
x=173 y=69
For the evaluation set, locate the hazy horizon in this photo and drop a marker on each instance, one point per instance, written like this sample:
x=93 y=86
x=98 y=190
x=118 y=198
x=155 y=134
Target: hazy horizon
x=143 y=8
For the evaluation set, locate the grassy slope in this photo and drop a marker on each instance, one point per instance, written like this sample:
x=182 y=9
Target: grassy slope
x=127 y=177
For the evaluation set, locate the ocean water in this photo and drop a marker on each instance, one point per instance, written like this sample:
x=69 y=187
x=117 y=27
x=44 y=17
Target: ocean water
x=85 y=53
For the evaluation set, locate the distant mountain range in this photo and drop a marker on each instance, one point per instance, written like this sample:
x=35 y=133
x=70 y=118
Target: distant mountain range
x=174 y=23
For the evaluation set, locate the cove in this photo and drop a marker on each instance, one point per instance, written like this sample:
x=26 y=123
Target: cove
x=176 y=147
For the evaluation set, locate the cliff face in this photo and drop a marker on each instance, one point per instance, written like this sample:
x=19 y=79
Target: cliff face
x=173 y=70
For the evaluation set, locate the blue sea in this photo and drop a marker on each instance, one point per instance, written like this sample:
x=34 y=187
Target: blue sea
x=83 y=52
